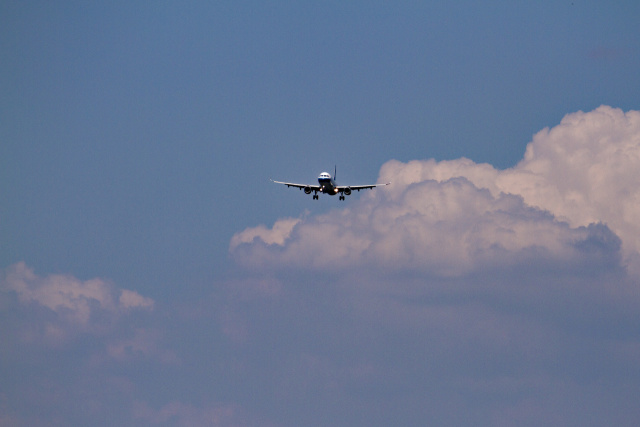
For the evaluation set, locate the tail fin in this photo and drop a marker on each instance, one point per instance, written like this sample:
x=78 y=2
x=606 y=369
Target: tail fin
x=335 y=169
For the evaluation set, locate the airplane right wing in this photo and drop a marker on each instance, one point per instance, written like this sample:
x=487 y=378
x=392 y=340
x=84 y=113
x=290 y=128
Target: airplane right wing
x=301 y=186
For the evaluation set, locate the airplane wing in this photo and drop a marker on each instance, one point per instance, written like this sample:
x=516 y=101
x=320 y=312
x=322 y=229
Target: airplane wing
x=341 y=188
x=291 y=184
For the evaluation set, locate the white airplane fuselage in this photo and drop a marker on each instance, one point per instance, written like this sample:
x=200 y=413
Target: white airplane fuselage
x=327 y=184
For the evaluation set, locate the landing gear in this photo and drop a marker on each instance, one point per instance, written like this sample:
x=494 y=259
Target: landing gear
x=315 y=197
x=341 y=197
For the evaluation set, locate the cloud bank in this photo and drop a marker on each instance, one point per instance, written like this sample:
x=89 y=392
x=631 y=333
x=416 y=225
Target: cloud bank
x=462 y=294
x=459 y=295
x=574 y=198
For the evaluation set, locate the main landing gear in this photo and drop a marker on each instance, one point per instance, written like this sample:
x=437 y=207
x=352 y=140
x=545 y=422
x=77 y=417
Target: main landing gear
x=316 y=197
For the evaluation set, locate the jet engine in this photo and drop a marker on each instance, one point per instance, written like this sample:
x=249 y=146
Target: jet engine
x=347 y=191
x=307 y=190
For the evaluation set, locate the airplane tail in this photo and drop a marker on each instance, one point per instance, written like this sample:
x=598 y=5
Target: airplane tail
x=335 y=169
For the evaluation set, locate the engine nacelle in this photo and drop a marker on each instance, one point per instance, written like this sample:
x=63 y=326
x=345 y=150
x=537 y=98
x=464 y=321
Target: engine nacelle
x=307 y=190
x=347 y=191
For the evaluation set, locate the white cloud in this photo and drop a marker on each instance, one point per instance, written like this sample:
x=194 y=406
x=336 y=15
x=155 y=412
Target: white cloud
x=585 y=170
x=65 y=295
x=446 y=228
x=131 y=300
x=460 y=283
x=76 y=305
x=70 y=296
x=275 y=235
x=577 y=181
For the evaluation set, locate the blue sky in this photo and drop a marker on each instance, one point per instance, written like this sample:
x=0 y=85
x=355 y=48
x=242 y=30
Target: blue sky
x=152 y=272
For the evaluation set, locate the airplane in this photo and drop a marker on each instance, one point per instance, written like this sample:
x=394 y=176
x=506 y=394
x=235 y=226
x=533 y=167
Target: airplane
x=327 y=185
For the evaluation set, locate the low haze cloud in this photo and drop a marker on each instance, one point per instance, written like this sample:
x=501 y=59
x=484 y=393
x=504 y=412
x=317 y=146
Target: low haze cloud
x=87 y=352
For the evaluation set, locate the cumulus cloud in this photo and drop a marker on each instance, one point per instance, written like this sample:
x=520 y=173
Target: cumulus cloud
x=72 y=305
x=473 y=279
x=585 y=170
x=275 y=235
x=132 y=300
x=69 y=346
x=574 y=198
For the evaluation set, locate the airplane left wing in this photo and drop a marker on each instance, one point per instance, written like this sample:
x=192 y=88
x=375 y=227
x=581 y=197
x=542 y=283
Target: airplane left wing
x=342 y=188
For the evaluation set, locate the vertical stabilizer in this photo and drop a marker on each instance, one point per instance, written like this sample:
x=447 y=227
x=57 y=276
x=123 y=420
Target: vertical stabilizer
x=335 y=169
